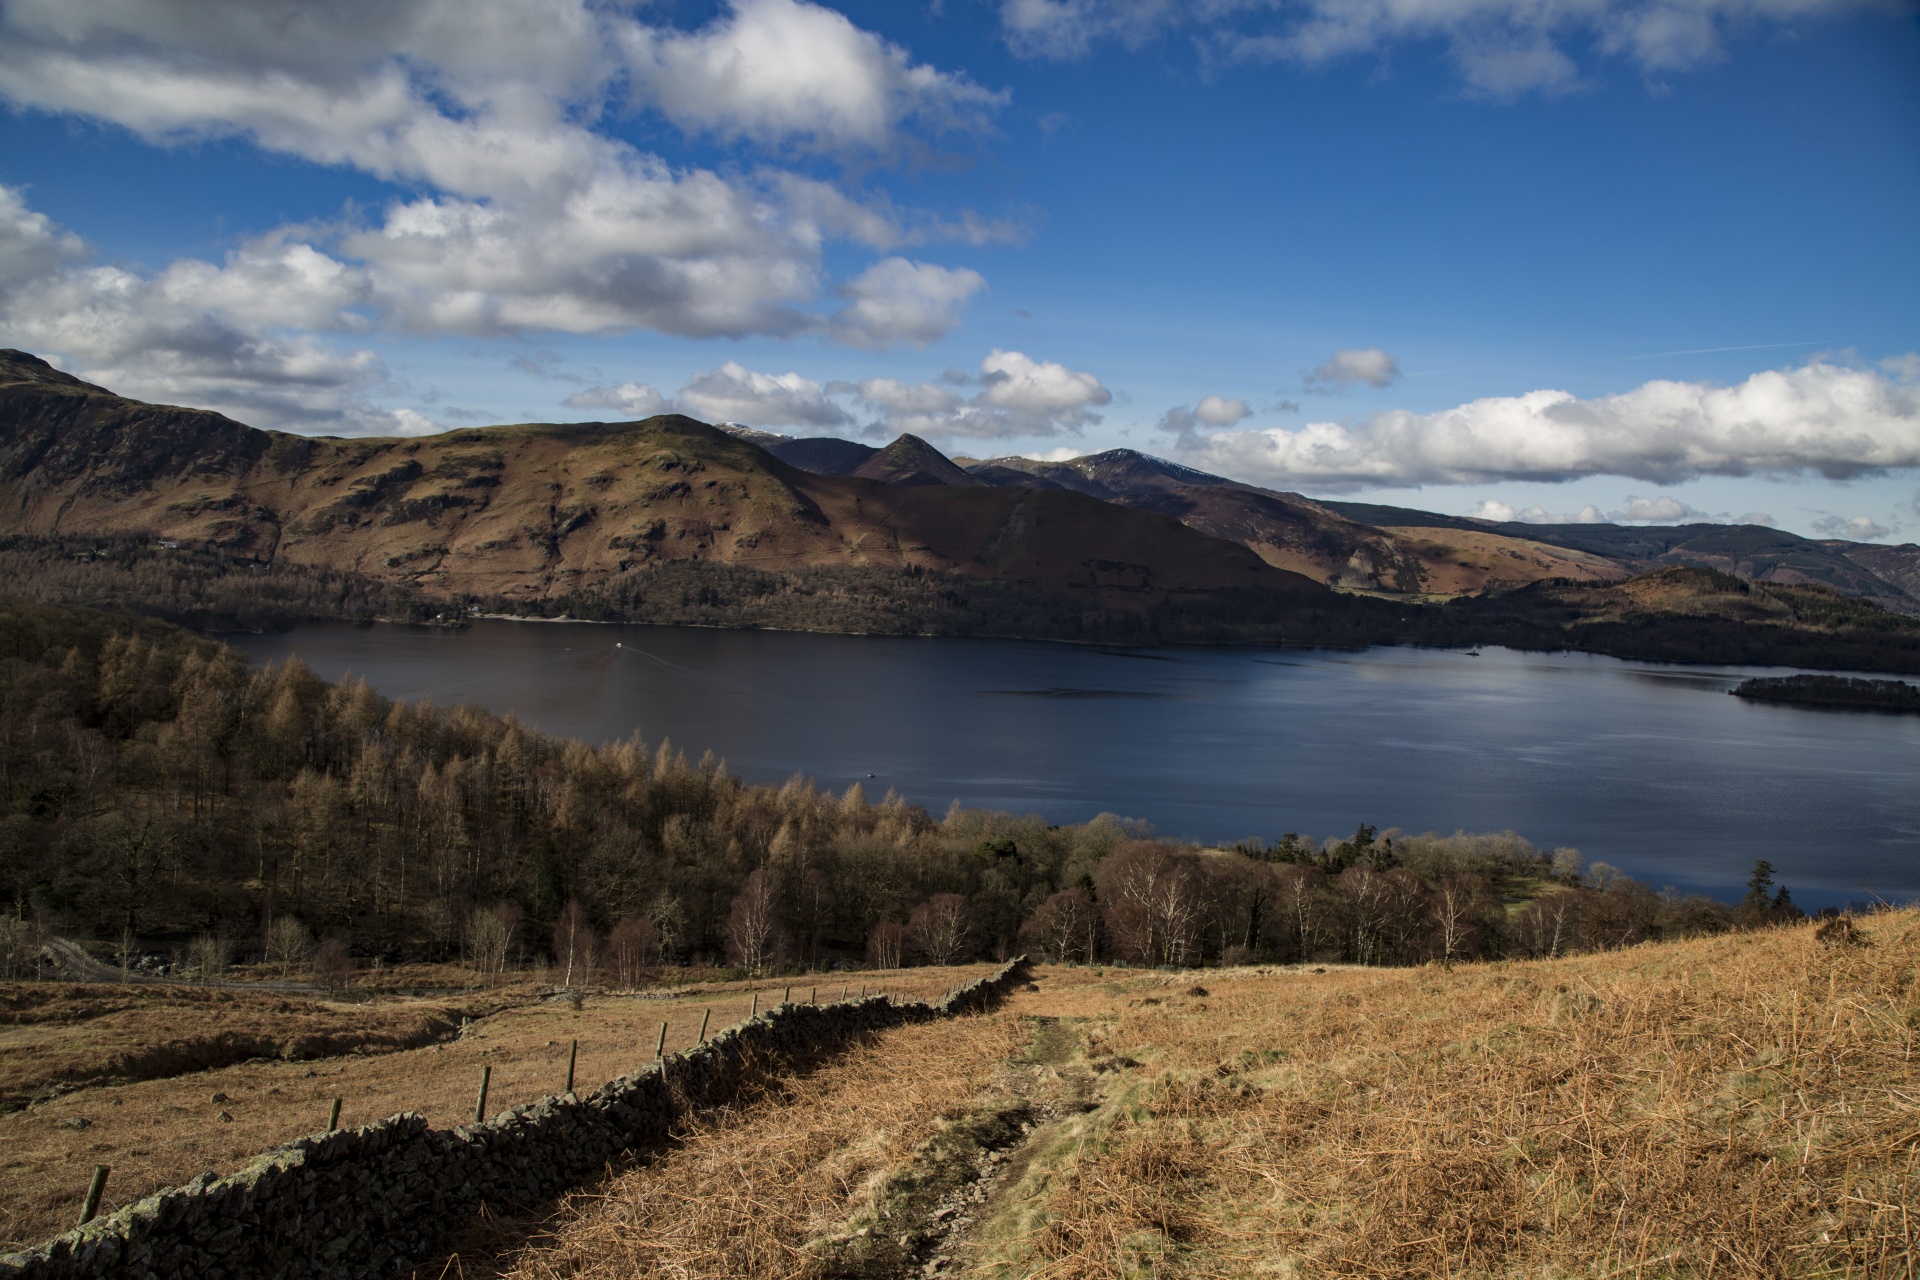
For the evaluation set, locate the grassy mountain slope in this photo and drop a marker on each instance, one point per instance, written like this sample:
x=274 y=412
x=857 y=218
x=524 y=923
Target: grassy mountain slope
x=1889 y=576
x=909 y=460
x=1695 y=615
x=535 y=511
x=1736 y=1106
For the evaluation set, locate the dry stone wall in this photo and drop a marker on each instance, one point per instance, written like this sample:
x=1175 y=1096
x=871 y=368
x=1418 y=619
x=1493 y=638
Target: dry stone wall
x=379 y=1199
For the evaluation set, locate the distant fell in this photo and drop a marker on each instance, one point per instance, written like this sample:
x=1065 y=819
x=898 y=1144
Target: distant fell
x=909 y=460
x=538 y=511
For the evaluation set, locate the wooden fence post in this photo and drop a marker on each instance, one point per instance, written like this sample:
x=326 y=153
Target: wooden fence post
x=480 y=1103
x=95 y=1190
x=705 y=1014
x=753 y=1010
x=660 y=1050
x=787 y=998
x=333 y=1116
x=573 y=1056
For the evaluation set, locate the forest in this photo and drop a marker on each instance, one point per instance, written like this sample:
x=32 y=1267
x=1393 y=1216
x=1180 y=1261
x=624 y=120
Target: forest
x=1832 y=691
x=211 y=590
x=159 y=793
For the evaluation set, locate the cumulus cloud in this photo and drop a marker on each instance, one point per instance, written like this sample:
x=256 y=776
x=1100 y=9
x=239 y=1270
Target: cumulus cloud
x=1840 y=421
x=629 y=399
x=778 y=70
x=1212 y=411
x=1660 y=510
x=531 y=219
x=733 y=393
x=897 y=301
x=1012 y=395
x=196 y=333
x=1349 y=365
x=1499 y=48
x=1858 y=528
x=1757 y=517
x=1505 y=512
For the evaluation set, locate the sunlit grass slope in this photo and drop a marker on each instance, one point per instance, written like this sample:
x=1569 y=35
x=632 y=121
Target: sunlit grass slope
x=1747 y=1105
x=1740 y=1106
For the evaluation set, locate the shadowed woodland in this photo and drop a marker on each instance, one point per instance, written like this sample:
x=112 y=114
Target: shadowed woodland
x=159 y=793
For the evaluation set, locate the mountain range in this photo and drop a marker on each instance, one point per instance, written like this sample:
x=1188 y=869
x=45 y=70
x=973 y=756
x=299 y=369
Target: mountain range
x=106 y=500
x=1390 y=551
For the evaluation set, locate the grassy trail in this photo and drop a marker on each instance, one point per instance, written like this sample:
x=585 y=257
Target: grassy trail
x=1739 y=1106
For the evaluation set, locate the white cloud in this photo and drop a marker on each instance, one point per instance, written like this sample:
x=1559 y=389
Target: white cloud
x=1660 y=510
x=1013 y=395
x=1212 y=411
x=411 y=422
x=635 y=247
x=1220 y=411
x=1041 y=388
x=1858 y=528
x=1069 y=28
x=532 y=219
x=1499 y=48
x=1503 y=512
x=1349 y=365
x=895 y=300
x=1840 y=421
x=733 y=393
x=200 y=334
x=632 y=399
x=777 y=70
x=1757 y=517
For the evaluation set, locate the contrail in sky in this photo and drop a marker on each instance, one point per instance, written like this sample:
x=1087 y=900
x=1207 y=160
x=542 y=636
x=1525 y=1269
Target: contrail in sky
x=1707 y=351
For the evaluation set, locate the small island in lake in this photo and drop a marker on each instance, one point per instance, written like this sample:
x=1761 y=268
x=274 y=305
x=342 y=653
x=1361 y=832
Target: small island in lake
x=1833 y=691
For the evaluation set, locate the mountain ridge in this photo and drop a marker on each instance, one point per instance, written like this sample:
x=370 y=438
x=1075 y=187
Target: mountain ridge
x=535 y=510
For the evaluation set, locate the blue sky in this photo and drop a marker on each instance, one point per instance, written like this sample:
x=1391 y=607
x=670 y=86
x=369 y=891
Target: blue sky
x=1564 y=259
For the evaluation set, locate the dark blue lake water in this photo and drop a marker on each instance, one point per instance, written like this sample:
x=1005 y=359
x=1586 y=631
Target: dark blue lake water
x=1651 y=768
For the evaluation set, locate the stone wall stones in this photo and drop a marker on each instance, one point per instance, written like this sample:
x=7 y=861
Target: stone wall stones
x=376 y=1200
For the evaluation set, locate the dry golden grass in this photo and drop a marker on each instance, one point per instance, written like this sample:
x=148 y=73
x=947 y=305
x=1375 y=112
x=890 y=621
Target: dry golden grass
x=60 y=1034
x=747 y=1188
x=1747 y=1106
x=161 y=1132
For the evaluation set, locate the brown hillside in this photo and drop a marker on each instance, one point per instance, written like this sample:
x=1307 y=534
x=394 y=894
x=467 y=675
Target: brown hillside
x=1458 y=562
x=912 y=461
x=1290 y=532
x=533 y=511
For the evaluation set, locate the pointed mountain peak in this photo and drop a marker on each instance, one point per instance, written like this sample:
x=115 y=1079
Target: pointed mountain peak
x=910 y=460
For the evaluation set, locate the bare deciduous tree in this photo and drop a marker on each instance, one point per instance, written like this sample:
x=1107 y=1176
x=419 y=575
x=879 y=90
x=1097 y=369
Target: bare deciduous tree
x=941 y=929
x=753 y=925
x=633 y=948
x=333 y=965
x=1152 y=899
x=1066 y=926
x=490 y=933
x=288 y=941
x=575 y=945
x=887 y=945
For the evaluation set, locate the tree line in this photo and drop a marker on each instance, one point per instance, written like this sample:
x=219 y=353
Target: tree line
x=211 y=589
x=160 y=793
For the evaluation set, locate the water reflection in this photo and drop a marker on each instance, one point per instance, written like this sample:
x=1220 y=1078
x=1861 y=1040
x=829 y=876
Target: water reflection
x=1654 y=769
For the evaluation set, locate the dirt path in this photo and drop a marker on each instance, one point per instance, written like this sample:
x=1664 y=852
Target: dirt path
x=885 y=1162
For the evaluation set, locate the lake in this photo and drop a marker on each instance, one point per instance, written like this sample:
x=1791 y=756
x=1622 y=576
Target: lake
x=1652 y=768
